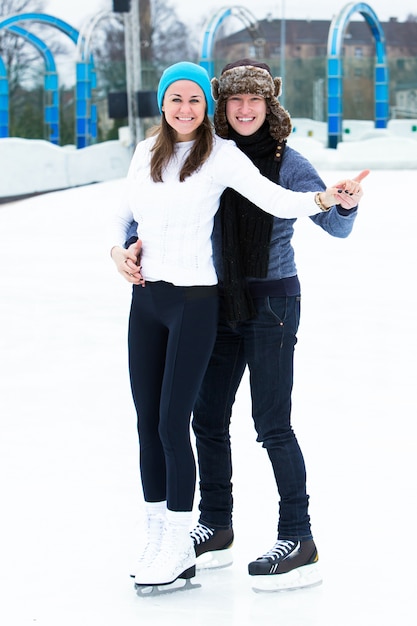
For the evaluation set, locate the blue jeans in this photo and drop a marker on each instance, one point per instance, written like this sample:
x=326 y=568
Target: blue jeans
x=266 y=345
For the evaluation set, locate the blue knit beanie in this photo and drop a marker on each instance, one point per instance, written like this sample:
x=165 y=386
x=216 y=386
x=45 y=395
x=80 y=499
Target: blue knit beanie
x=184 y=71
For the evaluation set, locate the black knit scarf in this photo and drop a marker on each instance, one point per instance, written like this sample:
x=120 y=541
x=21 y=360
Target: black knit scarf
x=246 y=229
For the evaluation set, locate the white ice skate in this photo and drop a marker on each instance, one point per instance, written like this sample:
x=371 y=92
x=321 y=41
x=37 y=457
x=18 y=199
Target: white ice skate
x=151 y=533
x=175 y=560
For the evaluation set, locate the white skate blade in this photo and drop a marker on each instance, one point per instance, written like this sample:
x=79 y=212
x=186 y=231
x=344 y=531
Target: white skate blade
x=215 y=559
x=300 y=578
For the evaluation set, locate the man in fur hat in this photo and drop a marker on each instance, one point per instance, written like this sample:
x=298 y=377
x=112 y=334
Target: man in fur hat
x=258 y=321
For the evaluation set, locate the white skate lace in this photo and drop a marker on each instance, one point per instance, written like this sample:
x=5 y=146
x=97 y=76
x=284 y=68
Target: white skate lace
x=201 y=534
x=153 y=539
x=280 y=550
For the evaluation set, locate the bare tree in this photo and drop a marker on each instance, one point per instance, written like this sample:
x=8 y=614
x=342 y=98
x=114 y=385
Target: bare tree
x=171 y=39
x=164 y=39
x=15 y=52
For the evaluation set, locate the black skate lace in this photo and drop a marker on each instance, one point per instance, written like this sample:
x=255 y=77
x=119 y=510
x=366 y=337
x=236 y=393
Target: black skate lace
x=201 y=533
x=281 y=549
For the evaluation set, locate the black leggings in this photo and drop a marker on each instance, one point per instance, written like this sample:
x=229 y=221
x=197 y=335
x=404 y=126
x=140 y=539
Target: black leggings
x=171 y=337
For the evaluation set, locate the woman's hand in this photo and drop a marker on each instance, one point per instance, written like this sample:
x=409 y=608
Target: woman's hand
x=128 y=262
x=346 y=192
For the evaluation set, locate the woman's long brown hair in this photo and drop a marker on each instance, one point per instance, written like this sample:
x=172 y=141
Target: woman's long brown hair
x=164 y=148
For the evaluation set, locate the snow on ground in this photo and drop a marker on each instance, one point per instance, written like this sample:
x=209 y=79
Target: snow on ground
x=70 y=490
x=47 y=167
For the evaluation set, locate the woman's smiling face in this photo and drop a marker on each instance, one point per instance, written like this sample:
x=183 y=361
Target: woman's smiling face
x=184 y=106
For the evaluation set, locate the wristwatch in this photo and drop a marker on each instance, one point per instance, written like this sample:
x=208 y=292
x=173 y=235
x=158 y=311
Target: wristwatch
x=319 y=202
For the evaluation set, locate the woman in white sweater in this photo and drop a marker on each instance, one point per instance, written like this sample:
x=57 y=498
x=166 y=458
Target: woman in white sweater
x=174 y=183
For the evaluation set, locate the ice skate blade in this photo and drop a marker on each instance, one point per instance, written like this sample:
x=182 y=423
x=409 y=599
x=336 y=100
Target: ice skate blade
x=215 y=559
x=300 y=578
x=180 y=584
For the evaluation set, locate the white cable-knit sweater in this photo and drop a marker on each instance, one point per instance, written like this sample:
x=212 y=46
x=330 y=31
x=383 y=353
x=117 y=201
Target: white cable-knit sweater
x=175 y=220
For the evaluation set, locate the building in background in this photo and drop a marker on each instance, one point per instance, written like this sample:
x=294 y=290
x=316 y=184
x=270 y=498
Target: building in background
x=305 y=62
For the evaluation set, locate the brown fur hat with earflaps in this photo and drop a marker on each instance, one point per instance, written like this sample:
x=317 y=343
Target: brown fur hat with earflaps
x=249 y=76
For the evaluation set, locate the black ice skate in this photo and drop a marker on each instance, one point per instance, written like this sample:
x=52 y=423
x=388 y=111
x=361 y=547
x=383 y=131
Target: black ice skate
x=288 y=565
x=212 y=546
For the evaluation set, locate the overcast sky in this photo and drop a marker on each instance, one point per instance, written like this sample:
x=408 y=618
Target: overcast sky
x=76 y=11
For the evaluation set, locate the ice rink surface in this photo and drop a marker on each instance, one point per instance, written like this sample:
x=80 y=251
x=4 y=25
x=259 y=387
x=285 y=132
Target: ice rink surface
x=70 y=491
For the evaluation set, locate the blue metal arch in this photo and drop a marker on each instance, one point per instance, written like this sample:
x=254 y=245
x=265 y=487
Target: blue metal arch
x=51 y=114
x=206 y=59
x=335 y=70
x=85 y=75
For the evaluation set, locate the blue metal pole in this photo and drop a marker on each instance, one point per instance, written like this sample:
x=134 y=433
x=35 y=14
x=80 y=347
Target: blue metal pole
x=4 y=101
